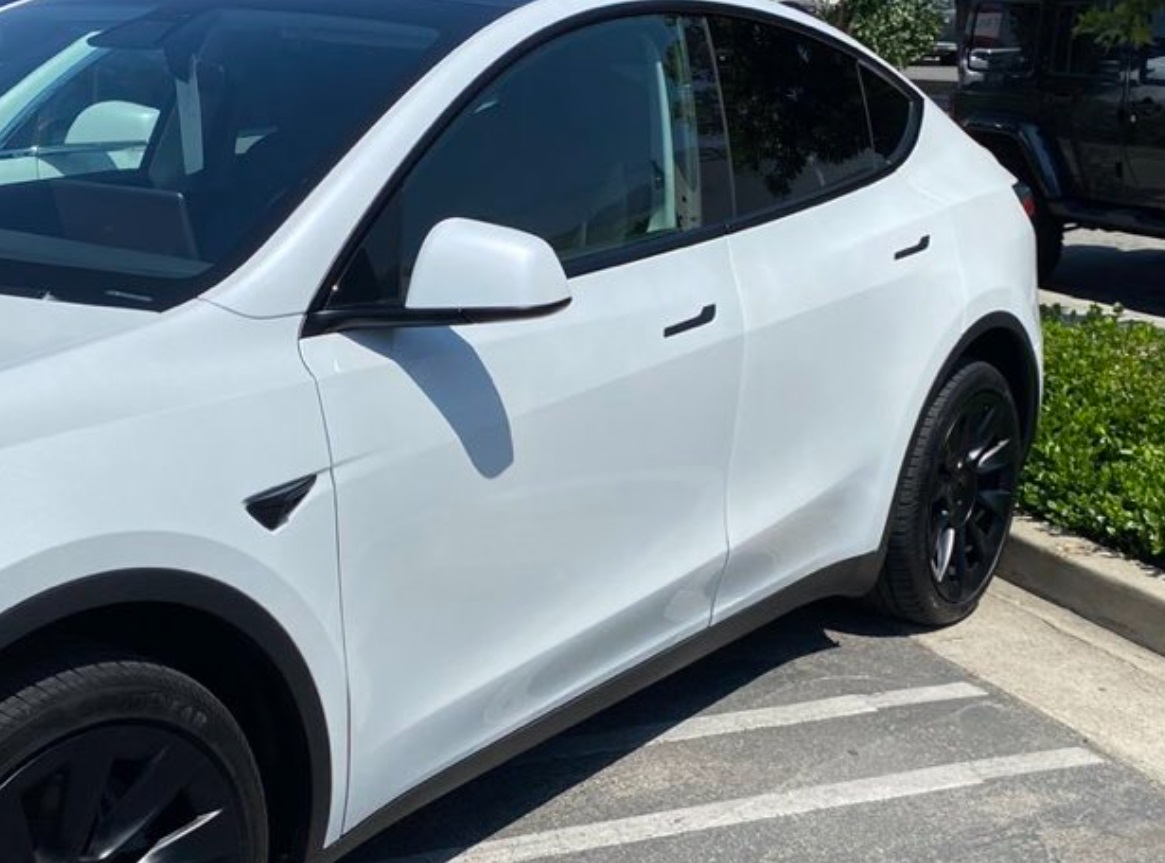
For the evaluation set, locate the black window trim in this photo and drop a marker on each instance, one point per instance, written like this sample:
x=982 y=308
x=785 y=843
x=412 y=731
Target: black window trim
x=318 y=323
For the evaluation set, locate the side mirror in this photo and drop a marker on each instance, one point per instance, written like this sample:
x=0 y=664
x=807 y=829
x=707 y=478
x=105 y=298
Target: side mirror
x=994 y=59
x=113 y=124
x=467 y=272
x=484 y=272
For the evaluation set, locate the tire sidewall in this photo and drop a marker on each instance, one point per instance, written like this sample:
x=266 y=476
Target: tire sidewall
x=104 y=693
x=968 y=381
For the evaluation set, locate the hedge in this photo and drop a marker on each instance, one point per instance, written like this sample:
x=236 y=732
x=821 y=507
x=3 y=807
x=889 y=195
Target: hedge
x=1097 y=467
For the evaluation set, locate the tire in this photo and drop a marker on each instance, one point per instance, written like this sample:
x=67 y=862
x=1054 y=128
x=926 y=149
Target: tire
x=953 y=505
x=105 y=757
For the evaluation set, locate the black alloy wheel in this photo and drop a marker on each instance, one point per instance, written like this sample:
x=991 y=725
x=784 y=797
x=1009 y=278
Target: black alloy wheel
x=972 y=491
x=953 y=506
x=125 y=762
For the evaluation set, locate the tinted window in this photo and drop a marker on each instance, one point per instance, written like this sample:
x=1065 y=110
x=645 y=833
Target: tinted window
x=1150 y=58
x=1077 y=54
x=592 y=142
x=889 y=110
x=144 y=147
x=1003 y=36
x=796 y=117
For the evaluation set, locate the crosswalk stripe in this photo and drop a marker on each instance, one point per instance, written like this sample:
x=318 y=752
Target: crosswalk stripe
x=764 y=807
x=751 y=720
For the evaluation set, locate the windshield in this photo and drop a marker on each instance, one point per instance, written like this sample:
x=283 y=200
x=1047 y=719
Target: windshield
x=147 y=148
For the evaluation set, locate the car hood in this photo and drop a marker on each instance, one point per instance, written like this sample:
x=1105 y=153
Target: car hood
x=31 y=329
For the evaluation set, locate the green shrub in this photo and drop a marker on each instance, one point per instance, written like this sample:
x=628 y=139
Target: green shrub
x=1098 y=464
x=900 y=31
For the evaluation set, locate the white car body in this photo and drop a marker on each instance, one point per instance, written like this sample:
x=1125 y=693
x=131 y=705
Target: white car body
x=504 y=516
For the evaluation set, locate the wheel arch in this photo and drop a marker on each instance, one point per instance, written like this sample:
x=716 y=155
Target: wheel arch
x=1000 y=339
x=1021 y=149
x=171 y=616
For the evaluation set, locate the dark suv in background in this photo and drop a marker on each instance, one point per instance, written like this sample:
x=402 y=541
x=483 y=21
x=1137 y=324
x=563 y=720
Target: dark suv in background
x=1081 y=124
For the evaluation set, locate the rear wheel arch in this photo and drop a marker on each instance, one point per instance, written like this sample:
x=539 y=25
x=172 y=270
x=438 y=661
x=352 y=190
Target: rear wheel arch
x=171 y=617
x=1001 y=341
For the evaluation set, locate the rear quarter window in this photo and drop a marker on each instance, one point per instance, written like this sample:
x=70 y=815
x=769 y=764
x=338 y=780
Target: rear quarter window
x=890 y=112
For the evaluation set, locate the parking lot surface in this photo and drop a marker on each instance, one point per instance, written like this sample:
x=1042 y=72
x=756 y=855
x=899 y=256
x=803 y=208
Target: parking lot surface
x=1109 y=269
x=829 y=735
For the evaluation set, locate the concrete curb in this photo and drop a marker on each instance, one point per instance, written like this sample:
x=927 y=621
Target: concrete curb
x=1119 y=594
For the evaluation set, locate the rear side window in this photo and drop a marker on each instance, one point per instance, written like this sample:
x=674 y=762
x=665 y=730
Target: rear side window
x=795 y=112
x=1079 y=54
x=889 y=109
x=1150 y=59
x=1003 y=37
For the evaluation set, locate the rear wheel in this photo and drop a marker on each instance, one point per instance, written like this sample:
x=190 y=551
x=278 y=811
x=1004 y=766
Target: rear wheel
x=105 y=758
x=953 y=507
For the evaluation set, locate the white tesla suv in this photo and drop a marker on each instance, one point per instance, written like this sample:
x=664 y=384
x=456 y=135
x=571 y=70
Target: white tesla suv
x=388 y=385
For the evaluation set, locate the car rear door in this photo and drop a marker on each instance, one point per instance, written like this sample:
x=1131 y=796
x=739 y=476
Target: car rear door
x=849 y=280
x=528 y=508
x=1084 y=103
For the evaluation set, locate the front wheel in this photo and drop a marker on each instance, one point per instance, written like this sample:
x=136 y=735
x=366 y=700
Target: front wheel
x=953 y=506
x=106 y=758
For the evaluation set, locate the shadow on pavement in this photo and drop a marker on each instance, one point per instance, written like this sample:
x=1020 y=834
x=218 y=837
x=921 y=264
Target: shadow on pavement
x=1135 y=278
x=483 y=807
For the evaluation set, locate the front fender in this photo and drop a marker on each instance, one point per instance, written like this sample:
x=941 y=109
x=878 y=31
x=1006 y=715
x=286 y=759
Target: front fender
x=258 y=605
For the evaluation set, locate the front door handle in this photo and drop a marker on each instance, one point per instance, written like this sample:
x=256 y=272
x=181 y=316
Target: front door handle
x=706 y=316
x=918 y=248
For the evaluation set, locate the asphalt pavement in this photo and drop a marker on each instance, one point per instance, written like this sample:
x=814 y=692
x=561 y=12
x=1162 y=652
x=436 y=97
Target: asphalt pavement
x=835 y=735
x=1108 y=269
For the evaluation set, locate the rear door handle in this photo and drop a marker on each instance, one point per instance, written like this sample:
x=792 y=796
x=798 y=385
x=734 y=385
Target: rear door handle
x=918 y=248
x=706 y=316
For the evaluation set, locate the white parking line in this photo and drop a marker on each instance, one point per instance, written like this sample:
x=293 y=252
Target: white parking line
x=752 y=720
x=765 y=807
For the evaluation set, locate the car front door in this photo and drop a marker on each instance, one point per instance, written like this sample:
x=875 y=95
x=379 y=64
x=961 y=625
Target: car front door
x=526 y=508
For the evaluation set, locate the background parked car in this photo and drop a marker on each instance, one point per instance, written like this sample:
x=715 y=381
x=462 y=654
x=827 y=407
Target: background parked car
x=1082 y=124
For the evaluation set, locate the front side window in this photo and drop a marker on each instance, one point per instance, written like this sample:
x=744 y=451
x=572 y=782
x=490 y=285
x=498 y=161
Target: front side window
x=146 y=147
x=1003 y=37
x=796 y=116
x=592 y=142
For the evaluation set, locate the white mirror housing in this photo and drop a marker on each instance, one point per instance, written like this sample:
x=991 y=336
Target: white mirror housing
x=497 y=272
